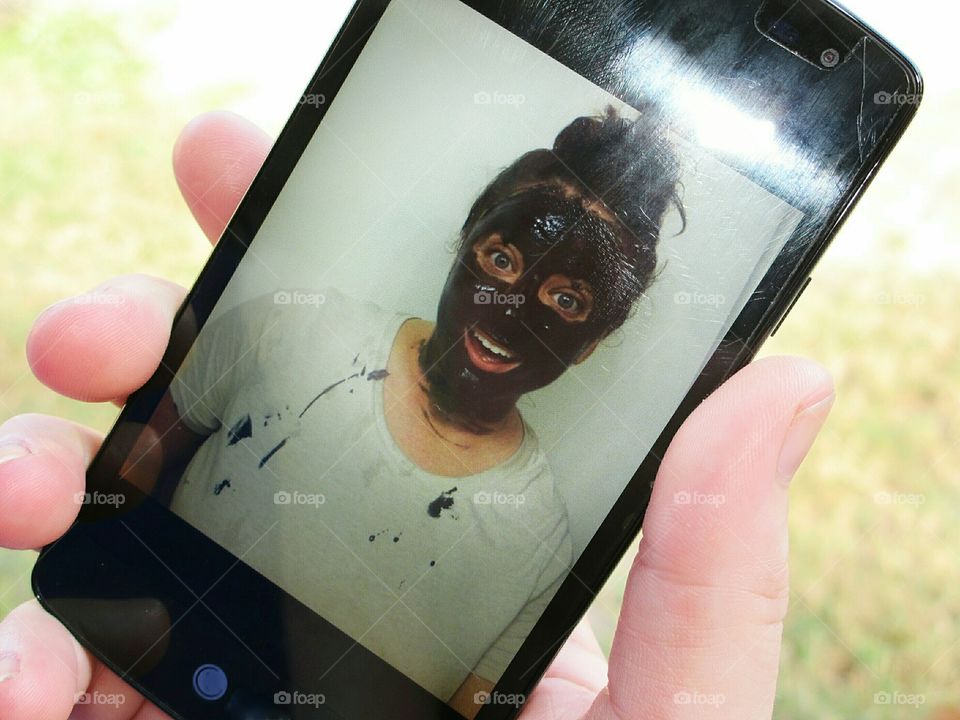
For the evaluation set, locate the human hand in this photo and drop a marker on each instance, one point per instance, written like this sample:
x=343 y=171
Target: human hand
x=703 y=609
x=702 y=617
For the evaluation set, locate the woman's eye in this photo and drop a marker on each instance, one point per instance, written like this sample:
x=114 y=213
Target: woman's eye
x=567 y=302
x=501 y=260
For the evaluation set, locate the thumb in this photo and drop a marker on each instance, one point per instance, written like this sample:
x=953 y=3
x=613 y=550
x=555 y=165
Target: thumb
x=699 y=634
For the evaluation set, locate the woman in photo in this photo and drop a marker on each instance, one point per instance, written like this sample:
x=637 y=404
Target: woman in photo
x=331 y=444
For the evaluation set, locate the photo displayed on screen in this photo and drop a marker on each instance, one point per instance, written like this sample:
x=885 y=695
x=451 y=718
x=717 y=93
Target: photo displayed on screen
x=471 y=311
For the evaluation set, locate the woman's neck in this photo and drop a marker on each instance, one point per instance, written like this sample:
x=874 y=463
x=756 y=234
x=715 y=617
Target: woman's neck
x=461 y=429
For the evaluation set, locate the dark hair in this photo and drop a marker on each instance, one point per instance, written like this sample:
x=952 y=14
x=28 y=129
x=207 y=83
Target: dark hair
x=623 y=169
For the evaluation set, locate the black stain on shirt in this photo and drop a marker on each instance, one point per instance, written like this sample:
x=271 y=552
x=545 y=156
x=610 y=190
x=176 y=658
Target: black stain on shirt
x=273 y=450
x=327 y=389
x=242 y=428
x=269 y=416
x=221 y=486
x=377 y=374
x=444 y=501
x=374 y=536
x=433 y=563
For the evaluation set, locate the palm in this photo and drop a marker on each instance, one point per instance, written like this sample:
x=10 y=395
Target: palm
x=706 y=597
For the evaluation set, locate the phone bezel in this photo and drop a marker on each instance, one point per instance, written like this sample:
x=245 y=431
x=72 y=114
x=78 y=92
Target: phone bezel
x=622 y=524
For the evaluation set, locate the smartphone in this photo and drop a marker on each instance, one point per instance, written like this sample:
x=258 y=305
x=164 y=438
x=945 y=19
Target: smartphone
x=411 y=411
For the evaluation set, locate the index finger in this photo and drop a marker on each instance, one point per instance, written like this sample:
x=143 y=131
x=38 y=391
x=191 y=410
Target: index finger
x=215 y=159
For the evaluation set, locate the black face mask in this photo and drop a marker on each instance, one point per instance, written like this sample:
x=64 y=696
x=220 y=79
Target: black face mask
x=534 y=288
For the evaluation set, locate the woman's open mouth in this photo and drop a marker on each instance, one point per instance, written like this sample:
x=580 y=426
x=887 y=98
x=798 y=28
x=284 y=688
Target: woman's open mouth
x=487 y=354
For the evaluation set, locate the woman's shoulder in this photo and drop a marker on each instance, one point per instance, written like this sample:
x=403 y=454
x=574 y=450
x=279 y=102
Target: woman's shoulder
x=534 y=478
x=323 y=315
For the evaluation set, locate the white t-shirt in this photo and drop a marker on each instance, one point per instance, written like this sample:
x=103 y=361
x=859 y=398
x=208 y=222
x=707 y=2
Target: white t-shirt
x=301 y=478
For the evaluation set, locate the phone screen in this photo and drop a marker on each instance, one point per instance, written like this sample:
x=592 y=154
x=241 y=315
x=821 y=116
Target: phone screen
x=461 y=327
x=475 y=305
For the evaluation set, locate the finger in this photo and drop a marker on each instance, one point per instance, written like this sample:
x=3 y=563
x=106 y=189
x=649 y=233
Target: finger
x=42 y=667
x=699 y=633
x=580 y=660
x=149 y=711
x=41 y=660
x=104 y=344
x=572 y=681
x=43 y=463
x=215 y=159
x=107 y=697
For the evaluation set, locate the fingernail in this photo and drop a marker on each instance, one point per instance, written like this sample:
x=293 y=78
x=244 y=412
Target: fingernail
x=11 y=450
x=9 y=666
x=803 y=431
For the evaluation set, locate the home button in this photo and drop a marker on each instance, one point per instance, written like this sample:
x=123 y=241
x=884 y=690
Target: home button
x=210 y=682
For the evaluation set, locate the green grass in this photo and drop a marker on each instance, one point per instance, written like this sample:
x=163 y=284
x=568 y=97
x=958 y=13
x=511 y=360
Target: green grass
x=874 y=609
x=88 y=193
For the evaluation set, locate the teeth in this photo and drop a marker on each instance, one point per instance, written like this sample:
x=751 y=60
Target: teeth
x=492 y=346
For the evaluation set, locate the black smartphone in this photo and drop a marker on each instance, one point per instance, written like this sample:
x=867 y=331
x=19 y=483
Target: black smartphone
x=411 y=411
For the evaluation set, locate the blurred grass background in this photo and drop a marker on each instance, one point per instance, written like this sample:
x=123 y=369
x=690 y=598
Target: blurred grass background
x=87 y=193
